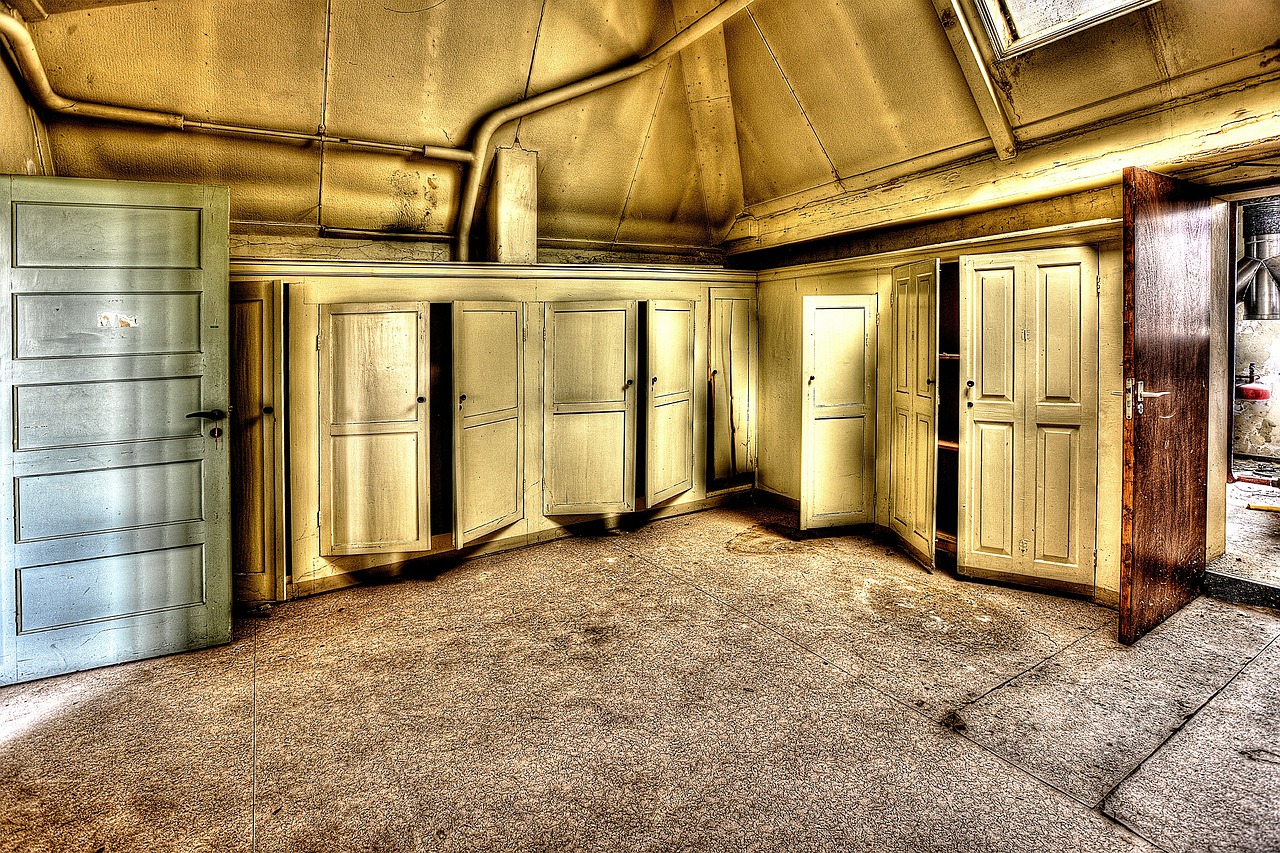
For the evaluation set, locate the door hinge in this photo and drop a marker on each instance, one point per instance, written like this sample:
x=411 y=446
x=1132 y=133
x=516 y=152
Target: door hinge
x=1026 y=335
x=317 y=343
x=1098 y=282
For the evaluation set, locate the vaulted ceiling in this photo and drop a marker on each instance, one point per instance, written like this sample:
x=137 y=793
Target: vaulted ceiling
x=825 y=97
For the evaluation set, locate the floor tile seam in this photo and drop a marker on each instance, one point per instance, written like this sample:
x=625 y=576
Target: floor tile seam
x=1102 y=803
x=918 y=712
x=1053 y=655
x=1095 y=809
x=253 y=749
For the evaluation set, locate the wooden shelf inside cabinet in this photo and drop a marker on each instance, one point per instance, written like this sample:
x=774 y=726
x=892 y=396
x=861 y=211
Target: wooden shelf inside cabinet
x=948 y=356
x=943 y=444
x=945 y=542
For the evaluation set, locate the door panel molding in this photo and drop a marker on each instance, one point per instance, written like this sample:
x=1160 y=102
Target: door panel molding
x=839 y=411
x=488 y=417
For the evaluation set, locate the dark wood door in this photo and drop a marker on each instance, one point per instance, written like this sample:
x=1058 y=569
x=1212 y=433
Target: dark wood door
x=1166 y=359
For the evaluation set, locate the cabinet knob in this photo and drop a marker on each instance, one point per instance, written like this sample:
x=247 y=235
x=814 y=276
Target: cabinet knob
x=630 y=382
x=969 y=384
x=422 y=399
x=266 y=410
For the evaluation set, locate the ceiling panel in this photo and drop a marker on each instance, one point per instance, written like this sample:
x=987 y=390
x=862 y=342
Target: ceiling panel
x=778 y=150
x=665 y=201
x=879 y=81
x=222 y=60
x=426 y=76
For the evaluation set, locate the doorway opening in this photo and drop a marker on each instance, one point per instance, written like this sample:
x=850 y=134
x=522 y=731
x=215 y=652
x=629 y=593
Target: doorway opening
x=1253 y=481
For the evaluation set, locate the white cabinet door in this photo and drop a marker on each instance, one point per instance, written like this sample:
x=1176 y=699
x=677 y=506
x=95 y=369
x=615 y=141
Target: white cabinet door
x=374 y=440
x=669 y=413
x=731 y=387
x=488 y=422
x=116 y=511
x=914 y=437
x=589 y=408
x=1028 y=426
x=838 y=430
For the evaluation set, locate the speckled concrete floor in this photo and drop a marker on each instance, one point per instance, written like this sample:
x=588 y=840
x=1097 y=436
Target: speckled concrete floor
x=708 y=682
x=1253 y=536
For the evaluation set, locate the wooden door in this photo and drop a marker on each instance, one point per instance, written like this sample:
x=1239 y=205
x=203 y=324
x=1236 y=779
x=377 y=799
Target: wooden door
x=116 y=517
x=731 y=388
x=913 y=453
x=1028 y=429
x=669 y=413
x=488 y=422
x=256 y=434
x=374 y=440
x=589 y=408
x=838 y=431
x=1167 y=271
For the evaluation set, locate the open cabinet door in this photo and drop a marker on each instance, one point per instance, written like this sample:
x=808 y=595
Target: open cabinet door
x=488 y=420
x=837 y=436
x=1167 y=269
x=913 y=454
x=669 y=414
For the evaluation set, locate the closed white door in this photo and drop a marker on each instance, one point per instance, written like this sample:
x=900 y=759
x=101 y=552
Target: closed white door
x=488 y=423
x=374 y=442
x=1028 y=426
x=589 y=409
x=838 y=430
x=116 y=528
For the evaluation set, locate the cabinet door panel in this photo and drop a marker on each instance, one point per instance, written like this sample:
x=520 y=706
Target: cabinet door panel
x=488 y=417
x=913 y=459
x=995 y=500
x=669 y=416
x=374 y=488
x=589 y=411
x=732 y=387
x=837 y=435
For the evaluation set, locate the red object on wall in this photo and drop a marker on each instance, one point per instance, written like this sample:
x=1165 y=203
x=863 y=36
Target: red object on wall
x=1253 y=391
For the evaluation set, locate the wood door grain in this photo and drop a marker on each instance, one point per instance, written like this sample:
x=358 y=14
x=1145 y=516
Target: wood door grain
x=1167 y=268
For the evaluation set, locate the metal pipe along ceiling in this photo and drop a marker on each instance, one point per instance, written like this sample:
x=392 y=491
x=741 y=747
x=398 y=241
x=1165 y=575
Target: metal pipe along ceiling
x=593 y=83
x=39 y=90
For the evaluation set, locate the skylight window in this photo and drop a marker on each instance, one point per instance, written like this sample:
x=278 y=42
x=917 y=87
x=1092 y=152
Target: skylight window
x=1016 y=26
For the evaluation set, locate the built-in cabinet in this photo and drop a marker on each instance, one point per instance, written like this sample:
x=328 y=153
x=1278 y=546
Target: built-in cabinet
x=256 y=435
x=1029 y=422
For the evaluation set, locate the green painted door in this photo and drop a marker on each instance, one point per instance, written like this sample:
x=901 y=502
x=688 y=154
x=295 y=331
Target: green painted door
x=115 y=514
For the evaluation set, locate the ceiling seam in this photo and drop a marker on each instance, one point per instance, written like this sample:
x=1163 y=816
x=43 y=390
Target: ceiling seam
x=324 y=111
x=533 y=55
x=644 y=146
x=803 y=112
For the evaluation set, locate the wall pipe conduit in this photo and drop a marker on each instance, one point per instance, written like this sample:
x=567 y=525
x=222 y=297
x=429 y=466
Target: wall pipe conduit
x=39 y=89
x=592 y=83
